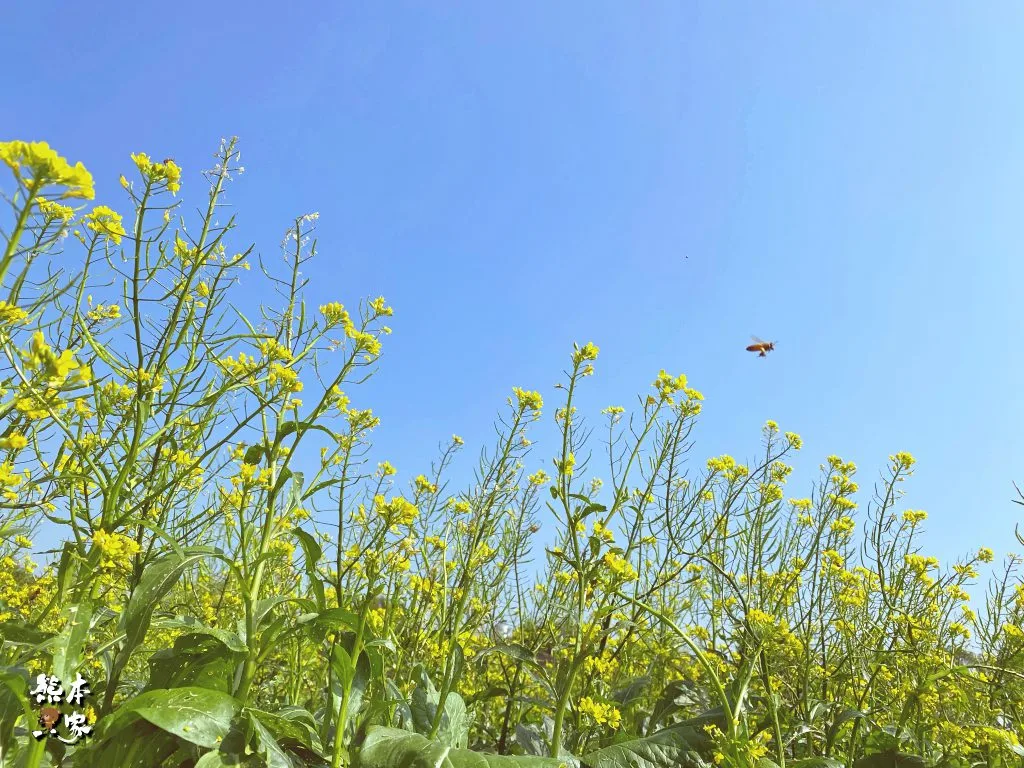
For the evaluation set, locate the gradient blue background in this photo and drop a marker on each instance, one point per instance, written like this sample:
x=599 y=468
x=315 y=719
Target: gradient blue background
x=664 y=179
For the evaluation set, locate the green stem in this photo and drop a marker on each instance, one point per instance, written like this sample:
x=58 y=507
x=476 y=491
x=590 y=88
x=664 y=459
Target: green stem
x=346 y=694
x=12 y=244
x=702 y=660
x=562 y=704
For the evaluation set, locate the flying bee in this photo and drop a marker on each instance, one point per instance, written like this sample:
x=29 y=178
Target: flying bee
x=762 y=347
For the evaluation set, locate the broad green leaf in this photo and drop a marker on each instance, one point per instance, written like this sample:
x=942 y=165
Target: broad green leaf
x=532 y=741
x=294 y=499
x=66 y=567
x=424 y=701
x=513 y=651
x=196 y=659
x=269 y=749
x=815 y=762
x=312 y=552
x=890 y=759
x=214 y=760
x=331 y=620
x=846 y=716
x=20 y=633
x=631 y=691
x=360 y=682
x=453 y=729
x=197 y=715
x=293 y=728
x=14 y=701
x=342 y=667
x=403 y=712
x=458 y=664
x=69 y=644
x=218 y=759
x=678 y=746
x=141 y=745
x=676 y=696
x=394 y=748
x=194 y=626
x=264 y=606
x=254 y=455
x=157 y=580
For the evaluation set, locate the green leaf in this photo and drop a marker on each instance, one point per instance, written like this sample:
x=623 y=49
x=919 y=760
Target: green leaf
x=312 y=552
x=291 y=427
x=360 y=681
x=890 y=759
x=220 y=759
x=677 y=695
x=254 y=455
x=532 y=741
x=842 y=718
x=458 y=665
x=295 y=492
x=331 y=620
x=14 y=701
x=20 y=633
x=453 y=729
x=65 y=569
x=157 y=580
x=269 y=749
x=196 y=659
x=678 y=746
x=264 y=606
x=815 y=762
x=342 y=666
x=215 y=760
x=192 y=625
x=631 y=691
x=293 y=728
x=391 y=748
x=197 y=715
x=513 y=651
x=69 y=644
x=403 y=712
x=140 y=746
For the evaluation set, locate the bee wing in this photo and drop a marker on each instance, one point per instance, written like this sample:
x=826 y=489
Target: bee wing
x=758 y=341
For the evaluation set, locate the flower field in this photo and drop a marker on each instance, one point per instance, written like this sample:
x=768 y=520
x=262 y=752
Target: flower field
x=243 y=581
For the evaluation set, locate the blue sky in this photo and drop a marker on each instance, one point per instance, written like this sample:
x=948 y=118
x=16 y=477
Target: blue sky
x=664 y=179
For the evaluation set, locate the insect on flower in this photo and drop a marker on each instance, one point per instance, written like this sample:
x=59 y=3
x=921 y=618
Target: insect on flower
x=762 y=347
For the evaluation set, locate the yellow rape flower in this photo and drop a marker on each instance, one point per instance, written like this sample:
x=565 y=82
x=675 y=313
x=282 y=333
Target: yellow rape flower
x=11 y=314
x=528 y=401
x=667 y=385
x=36 y=165
x=107 y=222
x=425 y=486
x=168 y=171
x=114 y=548
x=53 y=211
x=13 y=441
x=587 y=352
x=600 y=713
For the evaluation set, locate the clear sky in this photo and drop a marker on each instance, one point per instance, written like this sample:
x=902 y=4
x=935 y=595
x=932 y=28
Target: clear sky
x=664 y=179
